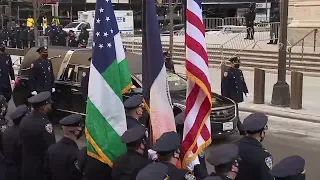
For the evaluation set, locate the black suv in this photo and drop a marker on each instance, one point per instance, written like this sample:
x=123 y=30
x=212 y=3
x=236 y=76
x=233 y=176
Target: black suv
x=69 y=66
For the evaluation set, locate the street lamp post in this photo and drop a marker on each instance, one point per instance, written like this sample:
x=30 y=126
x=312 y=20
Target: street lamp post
x=281 y=92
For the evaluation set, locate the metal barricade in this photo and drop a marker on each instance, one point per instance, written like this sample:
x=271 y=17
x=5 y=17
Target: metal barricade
x=43 y=41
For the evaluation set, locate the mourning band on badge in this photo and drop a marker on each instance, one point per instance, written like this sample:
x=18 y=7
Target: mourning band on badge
x=189 y=176
x=225 y=74
x=76 y=164
x=268 y=162
x=49 y=128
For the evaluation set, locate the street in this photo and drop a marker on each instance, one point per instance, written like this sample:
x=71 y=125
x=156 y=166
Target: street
x=285 y=137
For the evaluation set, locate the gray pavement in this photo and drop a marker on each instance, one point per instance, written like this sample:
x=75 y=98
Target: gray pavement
x=310 y=102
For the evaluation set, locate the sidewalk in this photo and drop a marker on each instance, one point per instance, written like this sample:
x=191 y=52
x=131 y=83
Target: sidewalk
x=311 y=99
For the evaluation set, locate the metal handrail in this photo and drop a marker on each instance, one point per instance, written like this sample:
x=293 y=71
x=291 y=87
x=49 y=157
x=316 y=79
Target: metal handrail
x=301 y=40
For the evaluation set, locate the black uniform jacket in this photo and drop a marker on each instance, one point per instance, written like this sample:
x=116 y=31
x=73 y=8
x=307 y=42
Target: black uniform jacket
x=131 y=122
x=96 y=170
x=36 y=133
x=61 y=162
x=11 y=146
x=6 y=74
x=41 y=77
x=222 y=177
x=175 y=173
x=233 y=85
x=128 y=165
x=256 y=161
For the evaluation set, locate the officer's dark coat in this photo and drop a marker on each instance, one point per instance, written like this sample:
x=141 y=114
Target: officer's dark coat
x=62 y=37
x=175 y=173
x=36 y=133
x=82 y=159
x=72 y=42
x=131 y=122
x=128 y=165
x=222 y=177
x=84 y=84
x=61 y=162
x=6 y=70
x=256 y=161
x=96 y=170
x=41 y=77
x=84 y=36
x=12 y=151
x=233 y=85
x=250 y=17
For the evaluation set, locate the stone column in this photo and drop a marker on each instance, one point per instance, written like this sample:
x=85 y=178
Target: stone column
x=305 y=15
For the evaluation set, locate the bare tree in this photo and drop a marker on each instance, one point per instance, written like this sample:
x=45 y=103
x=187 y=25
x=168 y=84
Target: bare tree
x=38 y=9
x=172 y=6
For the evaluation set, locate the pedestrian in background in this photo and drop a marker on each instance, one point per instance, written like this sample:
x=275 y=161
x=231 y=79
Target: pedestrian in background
x=72 y=42
x=61 y=162
x=62 y=36
x=11 y=144
x=168 y=62
x=250 y=17
x=31 y=40
x=24 y=36
x=37 y=135
x=256 y=161
x=30 y=21
x=17 y=36
x=274 y=26
x=6 y=73
x=233 y=86
x=44 y=23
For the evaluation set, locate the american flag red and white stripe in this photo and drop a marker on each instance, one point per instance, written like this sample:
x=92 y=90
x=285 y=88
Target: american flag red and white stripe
x=197 y=130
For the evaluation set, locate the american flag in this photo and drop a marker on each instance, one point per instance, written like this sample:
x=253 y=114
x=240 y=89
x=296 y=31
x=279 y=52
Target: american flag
x=197 y=130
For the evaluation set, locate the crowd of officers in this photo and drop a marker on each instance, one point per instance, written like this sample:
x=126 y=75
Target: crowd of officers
x=22 y=36
x=29 y=149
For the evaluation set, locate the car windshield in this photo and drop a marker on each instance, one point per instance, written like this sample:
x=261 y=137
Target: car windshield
x=176 y=83
x=72 y=25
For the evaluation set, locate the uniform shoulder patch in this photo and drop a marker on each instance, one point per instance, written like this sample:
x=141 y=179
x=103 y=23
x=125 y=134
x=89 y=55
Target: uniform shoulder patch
x=268 y=162
x=225 y=74
x=189 y=176
x=49 y=128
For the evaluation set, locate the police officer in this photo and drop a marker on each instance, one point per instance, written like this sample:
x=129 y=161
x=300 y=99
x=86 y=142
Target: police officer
x=290 y=168
x=17 y=36
x=12 y=35
x=233 y=86
x=85 y=82
x=225 y=159
x=201 y=169
x=11 y=144
x=128 y=165
x=72 y=42
x=31 y=37
x=256 y=161
x=37 y=135
x=134 y=110
x=62 y=36
x=41 y=77
x=167 y=147
x=82 y=159
x=168 y=62
x=6 y=36
x=53 y=35
x=274 y=26
x=6 y=73
x=24 y=36
x=154 y=171
x=83 y=37
x=250 y=17
x=61 y=162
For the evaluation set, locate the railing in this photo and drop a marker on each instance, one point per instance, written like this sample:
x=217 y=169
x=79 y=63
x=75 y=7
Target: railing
x=302 y=41
x=212 y=23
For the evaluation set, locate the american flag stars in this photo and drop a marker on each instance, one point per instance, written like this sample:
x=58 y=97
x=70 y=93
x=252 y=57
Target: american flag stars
x=97 y=33
x=100 y=46
x=101 y=10
x=98 y=21
x=105 y=34
x=109 y=45
x=107 y=18
x=111 y=31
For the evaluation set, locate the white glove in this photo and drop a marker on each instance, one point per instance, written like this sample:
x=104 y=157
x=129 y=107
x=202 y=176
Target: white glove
x=152 y=154
x=53 y=90
x=193 y=163
x=12 y=81
x=247 y=94
x=34 y=93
